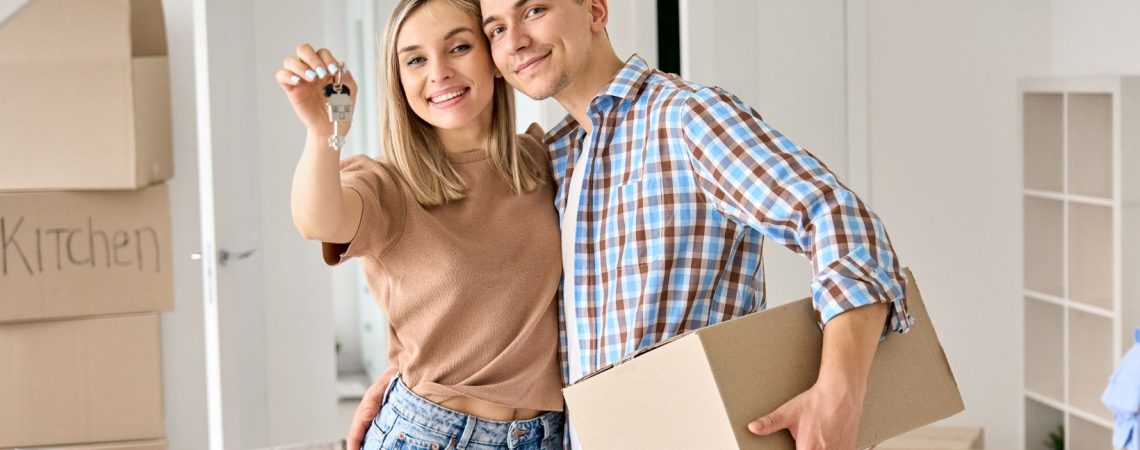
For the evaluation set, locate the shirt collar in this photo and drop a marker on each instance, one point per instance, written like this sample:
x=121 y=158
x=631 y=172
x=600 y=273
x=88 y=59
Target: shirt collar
x=625 y=85
x=629 y=79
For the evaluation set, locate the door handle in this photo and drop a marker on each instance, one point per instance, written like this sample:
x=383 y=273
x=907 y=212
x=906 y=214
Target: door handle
x=225 y=256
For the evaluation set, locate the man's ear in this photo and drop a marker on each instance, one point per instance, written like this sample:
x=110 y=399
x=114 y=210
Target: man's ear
x=599 y=15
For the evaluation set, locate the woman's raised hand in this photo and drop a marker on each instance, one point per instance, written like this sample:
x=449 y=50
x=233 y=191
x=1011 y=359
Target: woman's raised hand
x=303 y=77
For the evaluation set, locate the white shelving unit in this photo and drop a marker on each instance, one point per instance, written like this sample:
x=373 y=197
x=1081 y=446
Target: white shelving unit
x=1081 y=204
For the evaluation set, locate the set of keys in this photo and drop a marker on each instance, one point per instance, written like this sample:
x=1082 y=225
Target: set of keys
x=339 y=100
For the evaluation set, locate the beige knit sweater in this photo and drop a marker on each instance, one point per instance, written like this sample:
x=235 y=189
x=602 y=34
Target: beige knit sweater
x=469 y=287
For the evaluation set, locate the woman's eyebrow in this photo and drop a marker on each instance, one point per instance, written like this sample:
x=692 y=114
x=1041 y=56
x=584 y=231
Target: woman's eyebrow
x=449 y=34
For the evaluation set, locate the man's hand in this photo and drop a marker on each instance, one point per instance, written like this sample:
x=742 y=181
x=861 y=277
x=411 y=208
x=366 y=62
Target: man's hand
x=819 y=418
x=827 y=415
x=368 y=408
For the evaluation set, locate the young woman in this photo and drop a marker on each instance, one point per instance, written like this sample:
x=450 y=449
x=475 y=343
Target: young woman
x=456 y=231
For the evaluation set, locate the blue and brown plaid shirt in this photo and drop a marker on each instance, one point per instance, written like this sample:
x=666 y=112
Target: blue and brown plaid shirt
x=683 y=184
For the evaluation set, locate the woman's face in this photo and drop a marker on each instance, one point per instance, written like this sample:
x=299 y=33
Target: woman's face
x=445 y=66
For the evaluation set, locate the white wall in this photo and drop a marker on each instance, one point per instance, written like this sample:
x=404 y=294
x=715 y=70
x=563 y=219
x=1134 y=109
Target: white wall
x=1095 y=37
x=945 y=177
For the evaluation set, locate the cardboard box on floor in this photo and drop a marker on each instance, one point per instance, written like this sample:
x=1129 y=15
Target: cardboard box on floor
x=83 y=380
x=156 y=444
x=86 y=88
x=701 y=389
x=75 y=254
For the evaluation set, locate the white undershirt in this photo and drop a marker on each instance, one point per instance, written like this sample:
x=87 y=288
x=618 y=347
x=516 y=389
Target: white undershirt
x=569 y=235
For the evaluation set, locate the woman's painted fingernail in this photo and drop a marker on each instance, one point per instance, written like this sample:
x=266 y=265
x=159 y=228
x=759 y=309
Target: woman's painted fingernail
x=333 y=69
x=321 y=72
x=294 y=79
x=309 y=75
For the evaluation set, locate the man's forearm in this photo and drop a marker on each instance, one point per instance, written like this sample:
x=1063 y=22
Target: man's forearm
x=849 y=344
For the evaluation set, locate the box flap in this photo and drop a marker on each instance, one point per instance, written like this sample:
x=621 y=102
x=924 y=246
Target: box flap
x=52 y=20
x=148 y=28
x=54 y=31
x=152 y=140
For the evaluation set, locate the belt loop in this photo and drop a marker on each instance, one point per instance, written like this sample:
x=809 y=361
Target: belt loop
x=545 y=426
x=391 y=387
x=468 y=432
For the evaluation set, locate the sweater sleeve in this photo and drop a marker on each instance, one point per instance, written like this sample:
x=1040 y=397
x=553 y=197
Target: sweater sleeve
x=383 y=214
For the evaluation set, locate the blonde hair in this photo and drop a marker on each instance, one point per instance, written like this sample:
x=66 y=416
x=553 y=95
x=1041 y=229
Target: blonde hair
x=411 y=145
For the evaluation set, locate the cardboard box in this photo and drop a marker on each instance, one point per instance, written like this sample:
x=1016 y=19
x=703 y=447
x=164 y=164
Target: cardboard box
x=155 y=444
x=84 y=380
x=701 y=389
x=75 y=254
x=86 y=88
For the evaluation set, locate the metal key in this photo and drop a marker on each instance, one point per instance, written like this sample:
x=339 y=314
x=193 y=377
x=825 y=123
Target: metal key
x=340 y=107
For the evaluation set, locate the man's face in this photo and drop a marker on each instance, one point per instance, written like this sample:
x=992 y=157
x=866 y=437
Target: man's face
x=538 y=45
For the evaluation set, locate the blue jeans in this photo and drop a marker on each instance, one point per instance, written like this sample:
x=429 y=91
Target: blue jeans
x=410 y=422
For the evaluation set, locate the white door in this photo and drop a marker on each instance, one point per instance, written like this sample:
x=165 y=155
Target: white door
x=248 y=351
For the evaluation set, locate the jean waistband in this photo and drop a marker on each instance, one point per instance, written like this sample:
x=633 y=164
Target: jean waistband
x=465 y=427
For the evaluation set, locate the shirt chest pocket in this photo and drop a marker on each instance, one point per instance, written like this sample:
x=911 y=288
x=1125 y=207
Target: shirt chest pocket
x=626 y=165
x=638 y=223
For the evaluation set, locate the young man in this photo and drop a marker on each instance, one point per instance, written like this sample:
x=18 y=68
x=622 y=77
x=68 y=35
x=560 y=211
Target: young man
x=667 y=190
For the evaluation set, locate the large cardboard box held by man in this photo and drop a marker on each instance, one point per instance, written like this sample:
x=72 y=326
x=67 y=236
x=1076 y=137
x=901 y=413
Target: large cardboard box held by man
x=83 y=380
x=86 y=89
x=76 y=254
x=701 y=389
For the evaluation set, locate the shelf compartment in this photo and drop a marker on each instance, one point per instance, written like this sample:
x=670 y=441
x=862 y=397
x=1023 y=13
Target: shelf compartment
x=1090 y=144
x=1090 y=255
x=1085 y=435
x=1044 y=341
x=1040 y=420
x=1090 y=362
x=1043 y=128
x=1044 y=244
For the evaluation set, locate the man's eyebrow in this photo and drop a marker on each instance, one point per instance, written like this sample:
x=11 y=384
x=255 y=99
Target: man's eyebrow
x=518 y=4
x=451 y=33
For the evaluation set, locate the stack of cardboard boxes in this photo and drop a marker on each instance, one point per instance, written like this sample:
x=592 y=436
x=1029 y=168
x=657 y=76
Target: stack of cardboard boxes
x=85 y=257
